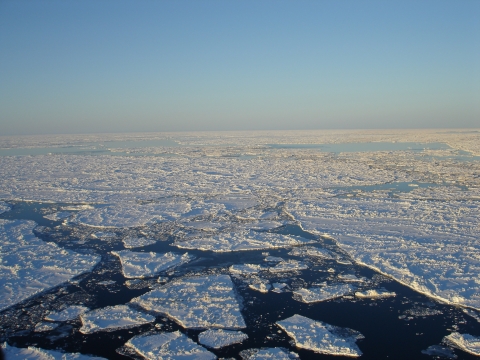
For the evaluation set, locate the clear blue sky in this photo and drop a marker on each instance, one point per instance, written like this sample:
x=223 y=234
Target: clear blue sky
x=116 y=66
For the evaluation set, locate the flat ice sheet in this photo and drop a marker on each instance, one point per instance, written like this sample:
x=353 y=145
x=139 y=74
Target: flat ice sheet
x=60 y=215
x=374 y=294
x=142 y=264
x=112 y=318
x=201 y=302
x=320 y=337
x=219 y=338
x=465 y=342
x=246 y=269
x=131 y=243
x=67 y=314
x=168 y=346
x=317 y=294
x=288 y=265
x=30 y=265
x=241 y=241
x=33 y=353
x=276 y=353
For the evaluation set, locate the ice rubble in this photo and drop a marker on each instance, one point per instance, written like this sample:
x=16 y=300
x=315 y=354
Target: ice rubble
x=67 y=314
x=143 y=264
x=29 y=265
x=276 y=353
x=4 y=207
x=374 y=294
x=33 y=353
x=113 y=318
x=261 y=286
x=312 y=251
x=465 y=342
x=219 y=338
x=60 y=215
x=168 y=346
x=241 y=241
x=288 y=265
x=320 y=337
x=246 y=269
x=131 y=243
x=201 y=302
x=317 y=294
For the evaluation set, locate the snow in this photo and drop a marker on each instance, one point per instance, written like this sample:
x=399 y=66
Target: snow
x=246 y=269
x=144 y=264
x=317 y=294
x=262 y=287
x=200 y=302
x=29 y=265
x=113 y=318
x=168 y=346
x=312 y=251
x=241 y=241
x=33 y=353
x=465 y=342
x=67 y=314
x=320 y=337
x=374 y=294
x=130 y=243
x=219 y=338
x=58 y=215
x=276 y=353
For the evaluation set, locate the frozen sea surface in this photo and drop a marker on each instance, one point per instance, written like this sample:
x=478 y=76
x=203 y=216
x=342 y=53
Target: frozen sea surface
x=268 y=353
x=219 y=338
x=33 y=353
x=69 y=313
x=316 y=294
x=131 y=243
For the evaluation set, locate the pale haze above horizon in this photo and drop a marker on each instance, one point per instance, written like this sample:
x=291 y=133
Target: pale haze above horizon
x=140 y=66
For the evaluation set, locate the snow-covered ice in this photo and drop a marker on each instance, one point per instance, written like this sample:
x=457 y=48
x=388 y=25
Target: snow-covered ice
x=320 y=337
x=311 y=251
x=246 y=269
x=4 y=207
x=374 y=294
x=465 y=342
x=30 y=265
x=317 y=294
x=219 y=338
x=33 y=353
x=200 y=302
x=276 y=353
x=143 y=264
x=60 y=215
x=131 y=243
x=113 y=318
x=67 y=314
x=288 y=265
x=168 y=346
x=261 y=286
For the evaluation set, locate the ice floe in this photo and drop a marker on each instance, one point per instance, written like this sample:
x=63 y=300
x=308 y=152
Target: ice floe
x=241 y=241
x=321 y=337
x=60 y=215
x=30 y=265
x=465 y=342
x=246 y=269
x=33 y=353
x=276 y=353
x=374 y=294
x=168 y=346
x=4 y=207
x=219 y=338
x=288 y=265
x=131 y=243
x=113 y=318
x=143 y=264
x=312 y=251
x=67 y=314
x=317 y=294
x=200 y=302
x=262 y=286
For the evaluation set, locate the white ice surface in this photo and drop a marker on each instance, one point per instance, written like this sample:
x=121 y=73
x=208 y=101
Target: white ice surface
x=268 y=354
x=319 y=337
x=316 y=294
x=465 y=342
x=33 y=353
x=29 y=265
x=67 y=314
x=374 y=294
x=130 y=243
x=262 y=287
x=201 y=302
x=113 y=318
x=219 y=338
x=4 y=207
x=241 y=241
x=311 y=251
x=60 y=215
x=142 y=264
x=246 y=269
x=288 y=265
x=168 y=346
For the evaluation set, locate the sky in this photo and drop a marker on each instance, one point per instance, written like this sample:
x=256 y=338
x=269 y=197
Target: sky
x=138 y=66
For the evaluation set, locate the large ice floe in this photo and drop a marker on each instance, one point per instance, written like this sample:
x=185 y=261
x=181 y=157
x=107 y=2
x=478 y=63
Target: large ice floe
x=67 y=314
x=219 y=338
x=30 y=265
x=33 y=353
x=113 y=318
x=201 y=302
x=321 y=337
x=243 y=240
x=465 y=342
x=317 y=294
x=168 y=346
x=143 y=264
x=276 y=353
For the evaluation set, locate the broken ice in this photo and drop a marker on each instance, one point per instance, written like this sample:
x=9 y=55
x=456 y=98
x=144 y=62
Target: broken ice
x=219 y=338
x=465 y=342
x=316 y=294
x=276 y=353
x=33 y=353
x=67 y=314
x=130 y=243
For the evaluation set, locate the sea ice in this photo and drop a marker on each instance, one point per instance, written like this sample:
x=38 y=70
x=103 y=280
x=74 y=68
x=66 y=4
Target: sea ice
x=316 y=294
x=201 y=302
x=45 y=326
x=246 y=269
x=130 y=243
x=33 y=353
x=30 y=265
x=58 y=215
x=67 y=314
x=276 y=353
x=262 y=287
x=312 y=251
x=374 y=294
x=168 y=346
x=113 y=318
x=4 y=207
x=465 y=342
x=143 y=264
x=219 y=338
x=241 y=241
x=321 y=337
x=288 y=265
x=441 y=352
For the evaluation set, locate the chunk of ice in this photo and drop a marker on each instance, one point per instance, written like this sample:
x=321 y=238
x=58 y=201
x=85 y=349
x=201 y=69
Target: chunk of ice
x=201 y=302
x=113 y=318
x=219 y=338
x=312 y=251
x=142 y=264
x=374 y=294
x=320 y=337
x=130 y=243
x=276 y=353
x=33 y=353
x=465 y=342
x=288 y=265
x=168 y=346
x=317 y=294
x=58 y=216
x=67 y=314
x=263 y=287
x=246 y=269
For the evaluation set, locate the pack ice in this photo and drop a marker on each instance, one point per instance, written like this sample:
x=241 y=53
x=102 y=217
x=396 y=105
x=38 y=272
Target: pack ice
x=317 y=294
x=320 y=337
x=268 y=353
x=67 y=314
x=33 y=353
x=201 y=302
x=142 y=264
x=219 y=338
x=465 y=342
x=112 y=318
x=30 y=265
x=168 y=346
x=130 y=243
